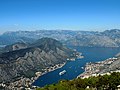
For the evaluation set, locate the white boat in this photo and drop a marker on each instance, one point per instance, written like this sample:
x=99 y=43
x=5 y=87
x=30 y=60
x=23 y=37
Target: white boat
x=62 y=72
x=82 y=67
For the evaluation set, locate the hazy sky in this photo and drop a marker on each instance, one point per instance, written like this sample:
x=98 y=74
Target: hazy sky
x=59 y=14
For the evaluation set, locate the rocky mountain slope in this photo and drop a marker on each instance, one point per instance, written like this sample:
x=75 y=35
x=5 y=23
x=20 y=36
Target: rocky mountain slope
x=13 y=47
x=92 y=41
x=103 y=67
x=24 y=60
x=112 y=65
x=107 y=38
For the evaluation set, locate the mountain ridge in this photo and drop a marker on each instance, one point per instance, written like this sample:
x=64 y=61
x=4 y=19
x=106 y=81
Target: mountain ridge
x=107 y=38
x=26 y=61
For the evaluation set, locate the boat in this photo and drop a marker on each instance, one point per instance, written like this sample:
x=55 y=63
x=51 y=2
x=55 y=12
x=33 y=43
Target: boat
x=82 y=67
x=62 y=72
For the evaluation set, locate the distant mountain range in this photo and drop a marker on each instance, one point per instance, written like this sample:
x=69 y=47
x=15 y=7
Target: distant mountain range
x=108 y=38
x=22 y=59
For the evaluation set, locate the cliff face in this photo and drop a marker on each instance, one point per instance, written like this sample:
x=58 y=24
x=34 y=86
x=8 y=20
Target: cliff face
x=26 y=61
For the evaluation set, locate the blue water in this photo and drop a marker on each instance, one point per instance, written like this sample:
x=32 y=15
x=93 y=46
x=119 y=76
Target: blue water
x=2 y=46
x=73 y=68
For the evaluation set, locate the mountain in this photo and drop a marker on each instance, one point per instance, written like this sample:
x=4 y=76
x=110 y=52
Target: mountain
x=11 y=39
x=60 y=35
x=13 y=47
x=114 y=34
x=26 y=59
x=107 y=38
x=92 y=41
x=107 y=66
x=112 y=65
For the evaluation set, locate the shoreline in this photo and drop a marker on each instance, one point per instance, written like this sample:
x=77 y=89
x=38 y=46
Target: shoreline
x=26 y=83
x=47 y=70
x=94 y=69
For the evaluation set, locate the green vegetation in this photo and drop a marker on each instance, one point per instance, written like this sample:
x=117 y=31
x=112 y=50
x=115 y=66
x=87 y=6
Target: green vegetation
x=106 y=82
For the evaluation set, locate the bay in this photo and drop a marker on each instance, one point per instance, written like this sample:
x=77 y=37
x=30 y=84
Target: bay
x=73 y=68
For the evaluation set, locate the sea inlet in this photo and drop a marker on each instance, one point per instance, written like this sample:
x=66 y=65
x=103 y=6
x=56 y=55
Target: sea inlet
x=74 y=68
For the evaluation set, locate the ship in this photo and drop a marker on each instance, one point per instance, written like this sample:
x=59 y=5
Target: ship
x=82 y=67
x=62 y=72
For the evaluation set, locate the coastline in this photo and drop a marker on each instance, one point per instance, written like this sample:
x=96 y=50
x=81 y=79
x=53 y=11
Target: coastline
x=98 y=68
x=50 y=69
x=26 y=83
